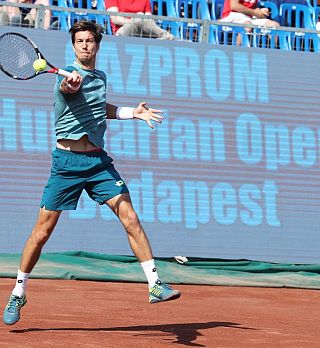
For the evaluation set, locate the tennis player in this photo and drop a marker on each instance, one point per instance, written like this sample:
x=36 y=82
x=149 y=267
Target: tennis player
x=80 y=163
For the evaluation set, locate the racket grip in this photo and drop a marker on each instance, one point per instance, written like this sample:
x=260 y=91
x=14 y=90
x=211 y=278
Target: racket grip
x=64 y=73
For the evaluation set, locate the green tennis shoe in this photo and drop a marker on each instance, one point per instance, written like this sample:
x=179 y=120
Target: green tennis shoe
x=161 y=292
x=11 y=313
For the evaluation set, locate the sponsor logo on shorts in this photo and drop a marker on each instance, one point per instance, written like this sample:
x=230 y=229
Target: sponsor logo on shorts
x=119 y=183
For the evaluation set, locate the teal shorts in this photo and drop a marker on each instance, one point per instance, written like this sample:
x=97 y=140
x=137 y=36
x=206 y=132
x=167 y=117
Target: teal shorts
x=72 y=172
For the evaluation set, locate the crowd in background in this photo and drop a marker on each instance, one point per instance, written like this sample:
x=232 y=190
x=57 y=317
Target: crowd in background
x=259 y=13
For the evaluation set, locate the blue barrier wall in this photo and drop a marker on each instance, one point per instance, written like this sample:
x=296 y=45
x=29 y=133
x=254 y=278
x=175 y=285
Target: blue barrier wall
x=231 y=173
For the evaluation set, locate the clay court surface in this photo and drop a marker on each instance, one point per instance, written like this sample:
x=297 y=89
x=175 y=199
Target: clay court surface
x=69 y=313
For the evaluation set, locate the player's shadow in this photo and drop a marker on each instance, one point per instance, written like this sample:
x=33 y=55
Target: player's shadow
x=184 y=334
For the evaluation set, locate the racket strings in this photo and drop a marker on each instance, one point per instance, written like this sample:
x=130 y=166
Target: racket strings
x=17 y=56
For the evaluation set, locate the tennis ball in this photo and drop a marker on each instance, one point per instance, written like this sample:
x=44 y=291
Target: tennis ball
x=39 y=64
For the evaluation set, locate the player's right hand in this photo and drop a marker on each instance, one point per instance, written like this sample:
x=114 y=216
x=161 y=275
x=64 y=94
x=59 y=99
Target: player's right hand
x=74 y=80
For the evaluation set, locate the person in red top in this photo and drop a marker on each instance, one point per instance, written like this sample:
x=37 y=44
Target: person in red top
x=126 y=26
x=246 y=12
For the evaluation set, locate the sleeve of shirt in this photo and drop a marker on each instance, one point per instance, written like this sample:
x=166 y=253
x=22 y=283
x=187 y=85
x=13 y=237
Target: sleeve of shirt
x=111 y=3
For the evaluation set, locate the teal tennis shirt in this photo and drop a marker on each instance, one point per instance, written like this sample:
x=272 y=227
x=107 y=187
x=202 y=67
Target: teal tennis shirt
x=84 y=112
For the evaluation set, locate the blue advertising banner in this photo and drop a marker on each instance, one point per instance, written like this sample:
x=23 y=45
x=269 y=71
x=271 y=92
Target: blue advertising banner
x=231 y=173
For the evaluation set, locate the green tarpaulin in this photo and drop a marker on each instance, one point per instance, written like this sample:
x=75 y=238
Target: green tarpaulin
x=101 y=267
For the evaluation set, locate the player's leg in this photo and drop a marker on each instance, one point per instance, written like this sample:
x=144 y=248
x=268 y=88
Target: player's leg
x=121 y=205
x=46 y=222
x=61 y=193
x=41 y=232
x=107 y=187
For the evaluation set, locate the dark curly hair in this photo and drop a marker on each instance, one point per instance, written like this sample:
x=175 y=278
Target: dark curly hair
x=96 y=29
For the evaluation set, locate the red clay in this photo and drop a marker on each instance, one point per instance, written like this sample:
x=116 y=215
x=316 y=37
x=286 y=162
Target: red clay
x=68 y=313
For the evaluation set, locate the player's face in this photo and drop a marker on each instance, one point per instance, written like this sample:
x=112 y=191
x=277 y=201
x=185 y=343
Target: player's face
x=85 y=48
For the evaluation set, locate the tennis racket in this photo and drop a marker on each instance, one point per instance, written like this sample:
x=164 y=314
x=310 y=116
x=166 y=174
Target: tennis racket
x=17 y=54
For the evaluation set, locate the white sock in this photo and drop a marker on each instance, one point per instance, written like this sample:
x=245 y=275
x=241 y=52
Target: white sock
x=150 y=271
x=21 y=284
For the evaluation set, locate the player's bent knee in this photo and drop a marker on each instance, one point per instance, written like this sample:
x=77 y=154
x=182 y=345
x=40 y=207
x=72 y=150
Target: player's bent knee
x=40 y=237
x=131 y=222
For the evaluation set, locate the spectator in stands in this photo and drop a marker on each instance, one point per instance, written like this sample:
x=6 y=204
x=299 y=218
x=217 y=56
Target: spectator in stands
x=126 y=26
x=246 y=12
x=24 y=16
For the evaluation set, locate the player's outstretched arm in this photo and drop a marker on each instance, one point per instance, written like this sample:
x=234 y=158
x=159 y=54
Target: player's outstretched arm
x=111 y=111
x=141 y=112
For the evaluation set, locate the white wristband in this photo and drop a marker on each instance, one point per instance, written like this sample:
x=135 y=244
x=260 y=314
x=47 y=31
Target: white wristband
x=124 y=113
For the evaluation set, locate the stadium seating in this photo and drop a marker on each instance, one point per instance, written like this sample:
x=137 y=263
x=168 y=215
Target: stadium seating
x=216 y=8
x=194 y=22
x=90 y=5
x=271 y=38
x=227 y=35
x=316 y=15
x=60 y=20
x=298 y=16
x=194 y=9
x=64 y=20
x=307 y=42
x=273 y=8
x=164 y=7
x=167 y=8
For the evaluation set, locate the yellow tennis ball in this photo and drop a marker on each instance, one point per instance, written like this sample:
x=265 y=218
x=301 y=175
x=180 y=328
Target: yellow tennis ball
x=39 y=64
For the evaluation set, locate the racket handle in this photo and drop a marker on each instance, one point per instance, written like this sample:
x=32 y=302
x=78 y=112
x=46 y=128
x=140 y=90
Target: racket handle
x=64 y=73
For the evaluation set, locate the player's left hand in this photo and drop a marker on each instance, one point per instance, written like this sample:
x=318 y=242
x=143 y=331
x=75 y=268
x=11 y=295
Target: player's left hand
x=143 y=112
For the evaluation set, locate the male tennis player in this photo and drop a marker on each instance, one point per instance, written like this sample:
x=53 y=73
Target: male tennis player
x=80 y=163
